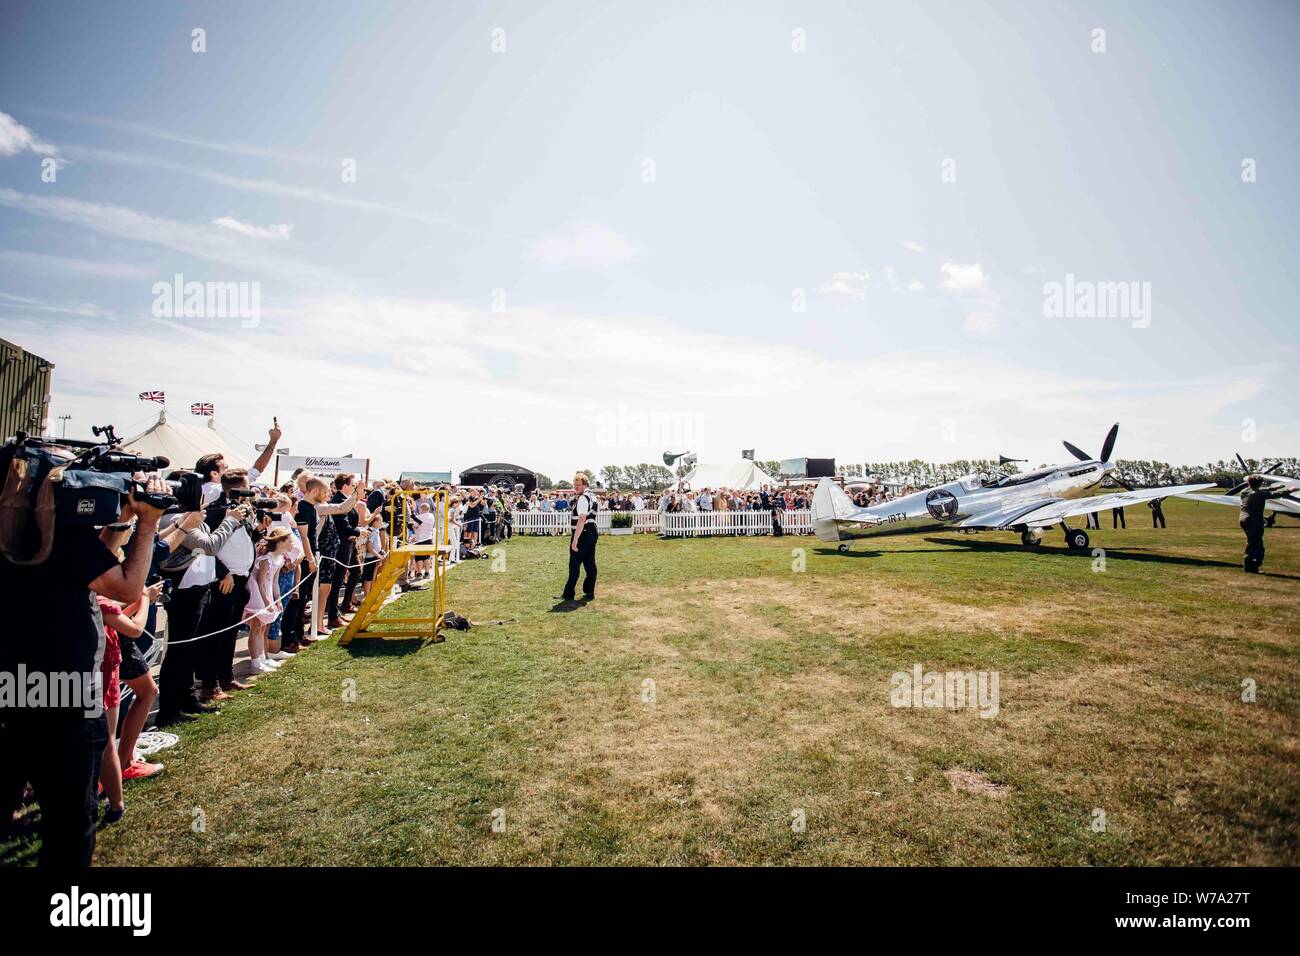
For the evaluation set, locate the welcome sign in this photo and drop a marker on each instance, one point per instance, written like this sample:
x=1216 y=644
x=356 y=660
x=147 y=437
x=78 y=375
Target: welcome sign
x=323 y=465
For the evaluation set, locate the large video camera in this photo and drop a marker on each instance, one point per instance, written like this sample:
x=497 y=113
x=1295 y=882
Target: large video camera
x=96 y=482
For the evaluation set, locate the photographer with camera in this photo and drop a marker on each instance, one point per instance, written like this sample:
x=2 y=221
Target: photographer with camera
x=55 y=629
x=229 y=592
x=191 y=571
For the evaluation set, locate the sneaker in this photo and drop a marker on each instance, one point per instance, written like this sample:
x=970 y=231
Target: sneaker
x=281 y=656
x=263 y=666
x=140 y=770
x=111 y=816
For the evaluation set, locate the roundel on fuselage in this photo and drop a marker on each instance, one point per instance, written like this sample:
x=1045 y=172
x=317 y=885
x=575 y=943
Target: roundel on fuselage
x=941 y=505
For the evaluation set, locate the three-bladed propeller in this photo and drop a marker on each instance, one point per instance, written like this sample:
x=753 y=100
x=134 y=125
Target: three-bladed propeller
x=1107 y=447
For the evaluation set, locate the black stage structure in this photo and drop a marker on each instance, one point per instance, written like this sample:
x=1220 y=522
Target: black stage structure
x=501 y=474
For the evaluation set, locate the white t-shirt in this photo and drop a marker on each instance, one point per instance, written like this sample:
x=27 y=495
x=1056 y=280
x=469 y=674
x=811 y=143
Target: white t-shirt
x=237 y=553
x=424 y=527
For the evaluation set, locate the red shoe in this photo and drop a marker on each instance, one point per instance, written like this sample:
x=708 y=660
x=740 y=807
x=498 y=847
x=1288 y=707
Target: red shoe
x=139 y=770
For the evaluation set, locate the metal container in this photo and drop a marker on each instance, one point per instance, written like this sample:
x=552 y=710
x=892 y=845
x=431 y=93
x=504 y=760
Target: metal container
x=24 y=391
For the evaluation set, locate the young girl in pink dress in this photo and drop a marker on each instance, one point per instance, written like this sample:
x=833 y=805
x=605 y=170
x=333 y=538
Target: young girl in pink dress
x=263 y=595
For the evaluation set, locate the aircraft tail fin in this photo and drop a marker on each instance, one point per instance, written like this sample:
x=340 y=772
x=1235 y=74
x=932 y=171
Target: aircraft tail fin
x=829 y=504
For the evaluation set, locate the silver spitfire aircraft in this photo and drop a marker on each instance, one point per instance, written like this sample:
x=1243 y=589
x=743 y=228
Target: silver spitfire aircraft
x=990 y=501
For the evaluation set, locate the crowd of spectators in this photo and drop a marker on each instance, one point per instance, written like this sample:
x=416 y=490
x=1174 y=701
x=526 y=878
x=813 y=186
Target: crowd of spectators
x=284 y=564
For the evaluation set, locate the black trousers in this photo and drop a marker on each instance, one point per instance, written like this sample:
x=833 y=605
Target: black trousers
x=1158 y=519
x=176 y=679
x=217 y=654
x=295 y=609
x=58 y=752
x=1117 y=518
x=583 y=559
x=354 y=577
x=345 y=555
x=1254 y=545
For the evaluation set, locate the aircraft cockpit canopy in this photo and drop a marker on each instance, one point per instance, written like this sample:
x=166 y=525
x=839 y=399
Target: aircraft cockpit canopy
x=996 y=478
x=983 y=479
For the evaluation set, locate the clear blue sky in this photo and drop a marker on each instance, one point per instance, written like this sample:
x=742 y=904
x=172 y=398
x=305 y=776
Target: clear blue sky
x=639 y=315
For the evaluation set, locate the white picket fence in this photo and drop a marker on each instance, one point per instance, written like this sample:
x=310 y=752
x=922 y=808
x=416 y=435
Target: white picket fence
x=686 y=524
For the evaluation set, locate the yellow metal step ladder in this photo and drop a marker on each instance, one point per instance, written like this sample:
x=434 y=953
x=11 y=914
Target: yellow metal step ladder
x=369 y=622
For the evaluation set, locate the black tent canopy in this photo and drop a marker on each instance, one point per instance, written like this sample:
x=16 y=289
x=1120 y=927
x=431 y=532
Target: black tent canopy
x=499 y=473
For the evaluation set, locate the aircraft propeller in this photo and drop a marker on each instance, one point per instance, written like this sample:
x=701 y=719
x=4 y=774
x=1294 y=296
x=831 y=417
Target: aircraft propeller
x=1245 y=469
x=1107 y=447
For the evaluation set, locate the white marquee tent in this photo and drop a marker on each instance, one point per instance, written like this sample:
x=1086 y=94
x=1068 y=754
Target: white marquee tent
x=743 y=475
x=184 y=444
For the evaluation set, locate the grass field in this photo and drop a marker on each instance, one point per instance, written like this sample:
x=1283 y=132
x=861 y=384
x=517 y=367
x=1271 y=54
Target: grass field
x=1120 y=693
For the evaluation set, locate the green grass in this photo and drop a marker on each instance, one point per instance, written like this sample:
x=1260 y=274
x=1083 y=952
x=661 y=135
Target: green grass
x=1120 y=691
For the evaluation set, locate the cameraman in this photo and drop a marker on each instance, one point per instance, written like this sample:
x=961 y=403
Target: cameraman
x=215 y=658
x=54 y=628
x=191 y=569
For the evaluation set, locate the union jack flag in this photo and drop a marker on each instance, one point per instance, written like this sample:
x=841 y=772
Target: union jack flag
x=201 y=408
x=158 y=397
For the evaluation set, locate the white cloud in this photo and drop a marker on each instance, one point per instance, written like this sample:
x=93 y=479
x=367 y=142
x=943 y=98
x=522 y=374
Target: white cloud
x=852 y=285
x=916 y=285
x=956 y=277
x=169 y=136
x=980 y=324
x=44 y=262
x=910 y=245
x=273 y=231
x=584 y=244
x=16 y=138
x=203 y=241
x=79 y=309
x=263 y=186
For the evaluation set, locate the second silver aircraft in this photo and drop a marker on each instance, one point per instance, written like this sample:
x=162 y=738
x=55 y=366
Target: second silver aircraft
x=1028 y=503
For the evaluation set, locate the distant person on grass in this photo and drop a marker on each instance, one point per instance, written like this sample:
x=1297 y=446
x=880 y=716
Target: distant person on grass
x=582 y=543
x=1157 y=512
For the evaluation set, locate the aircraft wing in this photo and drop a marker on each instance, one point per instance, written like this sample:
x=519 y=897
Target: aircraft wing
x=1004 y=518
x=1285 y=505
x=1057 y=511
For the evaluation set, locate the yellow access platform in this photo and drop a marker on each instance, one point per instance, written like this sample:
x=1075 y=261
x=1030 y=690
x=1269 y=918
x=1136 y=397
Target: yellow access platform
x=368 y=622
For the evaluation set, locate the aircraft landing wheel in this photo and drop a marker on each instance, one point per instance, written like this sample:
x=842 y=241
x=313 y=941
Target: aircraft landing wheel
x=843 y=549
x=1077 y=539
x=1031 y=539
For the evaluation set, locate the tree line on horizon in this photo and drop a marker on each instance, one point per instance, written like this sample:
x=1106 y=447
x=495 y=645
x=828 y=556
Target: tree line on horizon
x=1138 y=472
